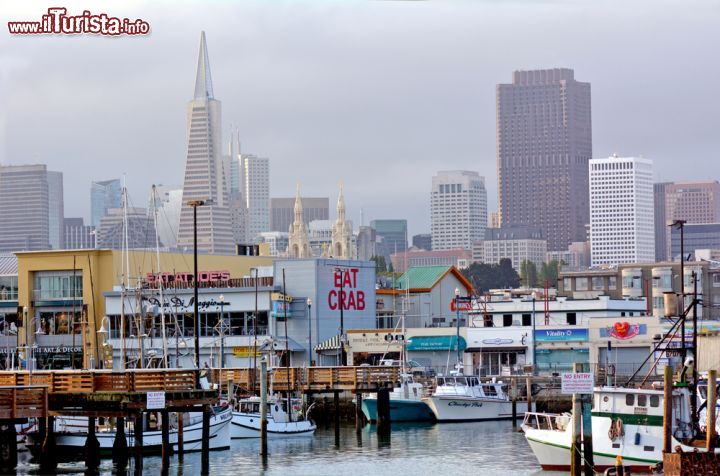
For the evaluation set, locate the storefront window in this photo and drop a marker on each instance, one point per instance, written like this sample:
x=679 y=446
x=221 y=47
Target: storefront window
x=8 y=288
x=51 y=285
x=61 y=322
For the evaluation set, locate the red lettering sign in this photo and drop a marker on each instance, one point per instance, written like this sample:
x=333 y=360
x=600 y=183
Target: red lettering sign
x=346 y=294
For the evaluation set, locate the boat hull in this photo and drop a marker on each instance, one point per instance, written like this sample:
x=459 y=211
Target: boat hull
x=458 y=409
x=400 y=410
x=247 y=425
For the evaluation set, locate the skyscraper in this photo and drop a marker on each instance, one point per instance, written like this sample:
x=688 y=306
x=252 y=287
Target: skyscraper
x=140 y=229
x=391 y=237
x=78 y=236
x=104 y=195
x=282 y=211
x=544 y=143
x=56 y=210
x=621 y=211
x=660 y=221
x=694 y=202
x=458 y=210
x=256 y=173
x=169 y=204
x=205 y=177
x=24 y=208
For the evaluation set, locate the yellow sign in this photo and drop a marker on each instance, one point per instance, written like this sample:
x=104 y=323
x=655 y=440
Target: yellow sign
x=245 y=351
x=281 y=297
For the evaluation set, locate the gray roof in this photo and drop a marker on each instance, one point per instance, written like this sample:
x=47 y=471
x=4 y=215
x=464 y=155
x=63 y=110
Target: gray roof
x=8 y=265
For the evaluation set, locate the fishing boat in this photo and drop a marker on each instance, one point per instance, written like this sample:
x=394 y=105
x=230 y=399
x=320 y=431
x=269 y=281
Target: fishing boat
x=71 y=434
x=626 y=422
x=406 y=402
x=460 y=397
x=280 y=422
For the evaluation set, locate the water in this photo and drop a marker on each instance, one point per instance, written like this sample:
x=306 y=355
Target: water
x=413 y=449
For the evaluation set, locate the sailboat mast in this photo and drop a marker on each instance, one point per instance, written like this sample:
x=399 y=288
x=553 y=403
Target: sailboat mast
x=156 y=197
x=125 y=278
x=287 y=349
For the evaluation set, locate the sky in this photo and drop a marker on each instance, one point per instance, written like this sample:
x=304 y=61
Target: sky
x=378 y=94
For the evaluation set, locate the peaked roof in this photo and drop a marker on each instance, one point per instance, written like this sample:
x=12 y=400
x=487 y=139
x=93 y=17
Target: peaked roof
x=203 y=80
x=426 y=277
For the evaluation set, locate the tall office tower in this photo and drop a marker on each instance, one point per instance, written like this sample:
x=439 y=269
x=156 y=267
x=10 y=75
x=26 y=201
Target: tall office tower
x=660 y=221
x=458 y=210
x=694 y=202
x=205 y=177
x=169 y=203
x=366 y=242
x=544 y=143
x=622 y=221
x=391 y=237
x=24 y=208
x=140 y=229
x=256 y=173
x=104 y=195
x=282 y=211
x=56 y=210
x=422 y=241
x=78 y=236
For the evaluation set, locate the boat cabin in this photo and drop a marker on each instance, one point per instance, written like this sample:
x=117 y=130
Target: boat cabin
x=469 y=386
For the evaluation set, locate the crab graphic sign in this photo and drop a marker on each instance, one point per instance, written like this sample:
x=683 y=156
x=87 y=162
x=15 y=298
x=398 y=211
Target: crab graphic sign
x=623 y=330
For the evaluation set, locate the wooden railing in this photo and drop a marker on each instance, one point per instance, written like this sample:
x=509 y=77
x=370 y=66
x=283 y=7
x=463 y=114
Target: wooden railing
x=91 y=381
x=23 y=402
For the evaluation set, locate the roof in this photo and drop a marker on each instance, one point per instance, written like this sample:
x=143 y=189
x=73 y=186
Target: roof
x=426 y=277
x=8 y=265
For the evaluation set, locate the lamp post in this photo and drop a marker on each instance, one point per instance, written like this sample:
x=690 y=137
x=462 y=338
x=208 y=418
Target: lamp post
x=680 y=224
x=309 y=305
x=255 y=316
x=534 y=297
x=457 y=325
x=195 y=204
x=222 y=332
x=341 y=299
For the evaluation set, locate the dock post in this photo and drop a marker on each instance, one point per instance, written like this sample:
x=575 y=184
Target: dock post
x=120 y=445
x=383 y=411
x=92 y=447
x=166 y=448
x=667 y=409
x=263 y=407
x=231 y=391
x=48 y=460
x=587 y=439
x=576 y=445
x=206 y=440
x=138 y=434
x=180 y=438
x=514 y=392
x=529 y=394
x=336 y=413
x=358 y=412
x=8 y=446
x=711 y=397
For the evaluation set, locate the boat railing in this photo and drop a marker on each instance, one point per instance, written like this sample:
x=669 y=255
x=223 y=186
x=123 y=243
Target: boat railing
x=546 y=421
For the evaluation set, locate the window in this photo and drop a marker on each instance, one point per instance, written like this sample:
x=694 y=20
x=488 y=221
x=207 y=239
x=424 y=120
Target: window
x=488 y=321
x=527 y=319
x=642 y=400
x=630 y=399
x=567 y=284
x=654 y=401
x=507 y=320
x=571 y=318
x=612 y=283
x=581 y=284
x=598 y=283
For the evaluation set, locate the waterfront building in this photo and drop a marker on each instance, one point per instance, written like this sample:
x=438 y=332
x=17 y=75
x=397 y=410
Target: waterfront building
x=24 y=208
x=458 y=209
x=56 y=210
x=544 y=143
x=697 y=236
x=341 y=246
x=298 y=235
x=282 y=211
x=694 y=202
x=391 y=236
x=140 y=229
x=103 y=195
x=414 y=258
x=205 y=177
x=366 y=243
x=256 y=173
x=8 y=310
x=622 y=226
x=519 y=243
x=78 y=236
x=422 y=241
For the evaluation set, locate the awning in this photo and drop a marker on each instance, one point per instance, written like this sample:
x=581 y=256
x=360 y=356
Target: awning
x=332 y=343
x=434 y=343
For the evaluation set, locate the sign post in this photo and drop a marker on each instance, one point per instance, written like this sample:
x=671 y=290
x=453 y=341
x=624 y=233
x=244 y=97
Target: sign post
x=580 y=385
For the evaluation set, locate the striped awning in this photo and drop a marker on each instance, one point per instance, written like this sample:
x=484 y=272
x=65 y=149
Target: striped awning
x=332 y=343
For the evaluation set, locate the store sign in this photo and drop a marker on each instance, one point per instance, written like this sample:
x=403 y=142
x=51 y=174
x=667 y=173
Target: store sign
x=461 y=303
x=497 y=341
x=203 y=277
x=60 y=349
x=561 y=335
x=345 y=292
x=246 y=351
x=435 y=343
x=186 y=305
x=623 y=330
x=581 y=382
x=281 y=307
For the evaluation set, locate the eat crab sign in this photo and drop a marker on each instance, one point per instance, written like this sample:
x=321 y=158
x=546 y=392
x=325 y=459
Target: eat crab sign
x=345 y=292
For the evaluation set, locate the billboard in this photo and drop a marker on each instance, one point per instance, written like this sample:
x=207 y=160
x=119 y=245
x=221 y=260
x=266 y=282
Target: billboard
x=350 y=286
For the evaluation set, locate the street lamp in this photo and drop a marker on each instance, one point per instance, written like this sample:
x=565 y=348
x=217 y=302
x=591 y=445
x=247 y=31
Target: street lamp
x=534 y=297
x=255 y=318
x=309 y=305
x=222 y=332
x=457 y=324
x=680 y=224
x=195 y=204
x=341 y=350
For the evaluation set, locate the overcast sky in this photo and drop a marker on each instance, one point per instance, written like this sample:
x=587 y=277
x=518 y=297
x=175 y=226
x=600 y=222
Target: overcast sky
x=379 y=94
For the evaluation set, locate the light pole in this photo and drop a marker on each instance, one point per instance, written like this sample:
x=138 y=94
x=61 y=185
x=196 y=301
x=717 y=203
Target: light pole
x=309 y=305
x=534 y=296
x=255 y=318
x=222 y=332
x=457 y=326
x=195 y=204
x=680 y=224
x=341 y=299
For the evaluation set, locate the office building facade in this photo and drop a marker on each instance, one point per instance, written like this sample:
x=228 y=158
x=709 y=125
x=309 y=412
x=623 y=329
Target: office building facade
x=24 y=208
x=282 y=211
x=458 y=210
x=103 y=195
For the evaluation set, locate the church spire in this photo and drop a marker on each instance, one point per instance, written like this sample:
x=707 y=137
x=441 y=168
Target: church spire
x=341 y=206
x=203 y=80
x=298 y=237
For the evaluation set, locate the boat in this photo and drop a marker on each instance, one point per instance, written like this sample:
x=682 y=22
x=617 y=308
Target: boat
x=702 y=392
x=246 y=419
x=626 y=422
x=460 y=397
x=71 y=434
x=406 y=402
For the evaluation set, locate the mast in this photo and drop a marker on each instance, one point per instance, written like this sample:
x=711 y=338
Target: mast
x=159 y=281
x=125 y=276
x=287 y=349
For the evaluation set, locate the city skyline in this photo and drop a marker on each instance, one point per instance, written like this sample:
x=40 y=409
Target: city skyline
x=88 y=80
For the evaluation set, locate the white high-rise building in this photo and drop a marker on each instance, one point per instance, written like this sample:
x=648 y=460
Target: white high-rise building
x=256 y=174
x=56 y=210
x=169 y=203
x=622 y=221
x=205 y=174
x=458 y=209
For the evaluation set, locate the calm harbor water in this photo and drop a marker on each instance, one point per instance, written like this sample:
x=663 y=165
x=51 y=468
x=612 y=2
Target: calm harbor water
x=413 y=449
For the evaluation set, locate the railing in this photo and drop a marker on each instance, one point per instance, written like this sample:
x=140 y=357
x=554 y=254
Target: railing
x=91 y=381
x=262 y=282
x=23 y=402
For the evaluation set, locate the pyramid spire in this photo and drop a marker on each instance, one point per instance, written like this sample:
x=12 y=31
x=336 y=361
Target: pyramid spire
x=203 y=80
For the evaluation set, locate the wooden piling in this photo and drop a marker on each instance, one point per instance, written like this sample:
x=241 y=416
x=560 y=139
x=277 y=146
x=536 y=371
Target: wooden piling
x=359 y=417
x=206 y=440
x=667 y=409
x=587 y=435
x=92 y=447
x=513 y=395
x=180 y=438
x=383 y=411
x=48 y=457
x=120 y=445
x=576 y=445
x=138 y=434
x=336 y=414
x=8 y=447
x=166 y=447
x=528 y=384
x=710 y=409
x=263 y=407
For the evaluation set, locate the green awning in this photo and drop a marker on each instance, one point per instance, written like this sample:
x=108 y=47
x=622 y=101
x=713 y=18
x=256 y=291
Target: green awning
x=434 y=343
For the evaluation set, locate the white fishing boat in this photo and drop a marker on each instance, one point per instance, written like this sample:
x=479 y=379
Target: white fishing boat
x=406 y=402
x=71 y=434
x=246 y=419
x=465 y=398
x=702 y=415
x=626 y=422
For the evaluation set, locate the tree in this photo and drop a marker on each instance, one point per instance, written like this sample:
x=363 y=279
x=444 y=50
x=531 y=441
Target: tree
x=549 y=272
x=486 y=276
x=380 y=266
x=528 y=273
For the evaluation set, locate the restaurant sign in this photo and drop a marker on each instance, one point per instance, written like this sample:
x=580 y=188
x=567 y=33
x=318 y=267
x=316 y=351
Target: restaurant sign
x=623 y=330
x=281 y=306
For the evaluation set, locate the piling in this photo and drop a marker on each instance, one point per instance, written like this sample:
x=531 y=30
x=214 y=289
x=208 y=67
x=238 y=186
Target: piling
x=166 y=448
x=383 y=411
x=576 y=446
x=92 y=447
x=180 y=438
x=358 y=412
x=513 y=395
x=120 y=445
x=667 y=410
x=263 y=407
x=138 y=433
x=48 y=456
x=206 y=440
x=336 y=414
x=710 y=409
x=528 y=384
x=8 y=446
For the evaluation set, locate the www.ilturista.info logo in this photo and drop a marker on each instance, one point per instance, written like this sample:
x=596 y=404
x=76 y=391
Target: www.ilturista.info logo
x=57 y=21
